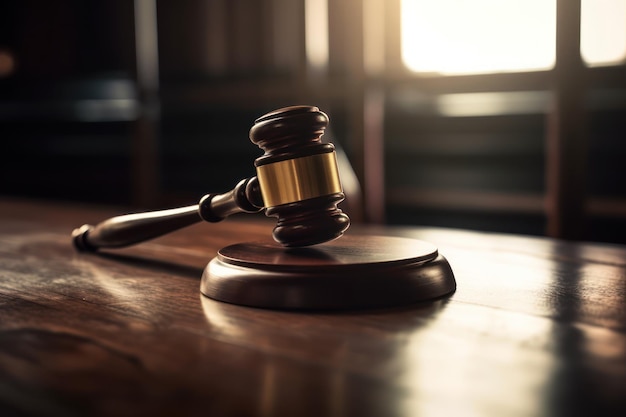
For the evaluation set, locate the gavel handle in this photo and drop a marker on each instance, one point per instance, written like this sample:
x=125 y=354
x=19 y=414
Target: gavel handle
x=129 y=229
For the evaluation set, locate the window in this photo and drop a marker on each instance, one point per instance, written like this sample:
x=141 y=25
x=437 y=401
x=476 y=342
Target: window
x=485 y=36
x=603 y=31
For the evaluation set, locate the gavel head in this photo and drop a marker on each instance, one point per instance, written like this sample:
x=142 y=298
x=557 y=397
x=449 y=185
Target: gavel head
x=298 y=176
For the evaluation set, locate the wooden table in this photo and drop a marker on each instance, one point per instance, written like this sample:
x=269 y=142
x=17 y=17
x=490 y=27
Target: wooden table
x=536 y=327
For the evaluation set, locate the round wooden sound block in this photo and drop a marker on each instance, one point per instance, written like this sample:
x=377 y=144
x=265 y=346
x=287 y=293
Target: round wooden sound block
x=350 y=272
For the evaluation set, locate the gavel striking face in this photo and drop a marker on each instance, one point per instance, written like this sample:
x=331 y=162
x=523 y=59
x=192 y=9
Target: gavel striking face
x=297 y=182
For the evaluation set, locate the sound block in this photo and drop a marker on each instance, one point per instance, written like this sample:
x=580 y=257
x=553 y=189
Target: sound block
x=347 y=273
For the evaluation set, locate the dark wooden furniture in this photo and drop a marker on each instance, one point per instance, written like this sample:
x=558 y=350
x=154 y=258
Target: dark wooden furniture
x=537 y=327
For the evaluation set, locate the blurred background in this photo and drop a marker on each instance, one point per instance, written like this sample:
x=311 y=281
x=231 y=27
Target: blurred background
x=487 y=114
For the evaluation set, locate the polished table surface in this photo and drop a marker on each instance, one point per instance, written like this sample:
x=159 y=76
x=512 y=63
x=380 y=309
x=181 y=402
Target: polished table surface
x=537 y=327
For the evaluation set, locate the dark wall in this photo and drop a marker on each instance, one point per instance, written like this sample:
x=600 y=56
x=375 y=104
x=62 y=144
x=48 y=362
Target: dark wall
x=72 y=109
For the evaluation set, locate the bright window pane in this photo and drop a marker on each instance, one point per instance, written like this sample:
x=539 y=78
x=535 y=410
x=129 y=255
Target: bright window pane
x=478 y=36
x=603 y=31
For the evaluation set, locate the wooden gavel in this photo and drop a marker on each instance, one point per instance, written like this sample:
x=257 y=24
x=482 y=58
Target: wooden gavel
x=297 y=182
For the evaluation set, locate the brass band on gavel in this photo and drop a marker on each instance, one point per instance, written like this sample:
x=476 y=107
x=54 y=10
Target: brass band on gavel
x=298 y=179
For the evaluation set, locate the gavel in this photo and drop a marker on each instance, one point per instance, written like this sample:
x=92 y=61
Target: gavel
x=297 y=182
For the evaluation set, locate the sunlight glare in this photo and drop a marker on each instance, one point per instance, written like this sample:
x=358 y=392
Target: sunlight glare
x=603 y=31
x=316 y=34
x=480 y=36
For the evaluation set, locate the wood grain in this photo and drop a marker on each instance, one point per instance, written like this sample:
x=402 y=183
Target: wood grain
x=536 y=327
